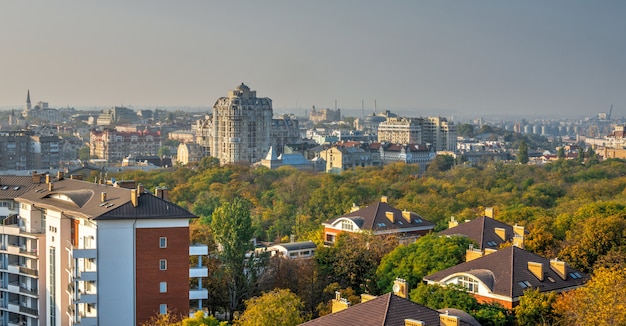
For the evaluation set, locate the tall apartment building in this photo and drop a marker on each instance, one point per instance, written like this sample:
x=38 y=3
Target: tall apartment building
x=241 y=128
x=81 y=253
x=400 y=131
x=113 y=145
x=23 y=150
x=440 y=133
x=436 y=131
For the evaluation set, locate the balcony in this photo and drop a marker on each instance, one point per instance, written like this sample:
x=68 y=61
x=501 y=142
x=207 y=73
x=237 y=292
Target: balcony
x=196 y=294
x=84 y=253
x=30 y=252
x=86 y=276
x=198 y=250
x=198 y=272
x=85 y=297
x=29 y=271
x=28 y=310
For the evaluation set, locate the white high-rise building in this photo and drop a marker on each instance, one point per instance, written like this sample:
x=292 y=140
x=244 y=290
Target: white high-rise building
x=81 y=253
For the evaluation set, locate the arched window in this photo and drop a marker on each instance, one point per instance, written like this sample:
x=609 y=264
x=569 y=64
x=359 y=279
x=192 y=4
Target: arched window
x=469 y=283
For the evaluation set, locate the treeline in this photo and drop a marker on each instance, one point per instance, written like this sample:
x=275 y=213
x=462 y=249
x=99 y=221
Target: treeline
x=573 y=210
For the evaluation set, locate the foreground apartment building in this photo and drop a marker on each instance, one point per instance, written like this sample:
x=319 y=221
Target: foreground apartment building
x=81 y=253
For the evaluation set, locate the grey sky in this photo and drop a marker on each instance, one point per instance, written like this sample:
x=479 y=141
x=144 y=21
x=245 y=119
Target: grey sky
x=453 y=57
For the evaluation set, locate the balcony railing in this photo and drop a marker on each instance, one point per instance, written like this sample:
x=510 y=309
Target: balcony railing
x=32 y=252
x=29 y=271
x=28 y=310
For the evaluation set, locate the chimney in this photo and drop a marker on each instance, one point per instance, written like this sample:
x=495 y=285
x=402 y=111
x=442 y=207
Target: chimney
x=339 y=303
x=51 y=186
x=390 y=217
x=354 y=208
x=501 y=233
x=449 y=320
x=413 y=322
x=383 y=199
x=133 y=197
x=103 y=197
x=453 y=222
x=407 y=215
x=536 y=269
x=401 y=288
x=489 y=212
x=558 y=267
x=162 y=193
x=47 y=178
x=60 y=175
x=367 y=297
x=518 y=236
x=471 y=253
x=140 y=189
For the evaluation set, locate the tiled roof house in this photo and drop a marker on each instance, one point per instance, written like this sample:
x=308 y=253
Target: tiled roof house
x=504 y=275
x=380 y=219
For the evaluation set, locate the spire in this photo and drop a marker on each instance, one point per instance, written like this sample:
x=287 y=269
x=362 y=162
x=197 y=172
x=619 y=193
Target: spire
x=28 y=97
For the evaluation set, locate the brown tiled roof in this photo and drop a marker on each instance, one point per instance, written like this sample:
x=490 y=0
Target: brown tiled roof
x=83 y=199
x=12 y=186
x=374 y=218
x=385 y=310
x=504 y=270
x=482 y=231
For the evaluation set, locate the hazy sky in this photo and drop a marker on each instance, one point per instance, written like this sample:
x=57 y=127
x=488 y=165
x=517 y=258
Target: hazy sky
x=452 y=57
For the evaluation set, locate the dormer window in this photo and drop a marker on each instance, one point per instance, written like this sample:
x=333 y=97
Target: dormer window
x=468 y=283
x=347 y=225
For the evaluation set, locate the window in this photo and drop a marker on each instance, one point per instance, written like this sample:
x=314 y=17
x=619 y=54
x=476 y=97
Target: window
x=346 y=225
x=575 y=275
x=163 y=287
x=162 y=242
x=163 y=264
x=470 y=284
x=524 y=284
x=163 y=309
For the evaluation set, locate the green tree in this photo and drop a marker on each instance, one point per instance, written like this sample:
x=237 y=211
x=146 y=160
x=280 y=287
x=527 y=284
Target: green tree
x=599 y=302
x=535 y=308
x=438 y=297
x=232 y=227
x=441 y=163
x=199 y=319
x=352 y=260
x=84 y=153
x=560 y=153
x=164 y=151
x=279 y=307
x=522 y=154
x=429 y=254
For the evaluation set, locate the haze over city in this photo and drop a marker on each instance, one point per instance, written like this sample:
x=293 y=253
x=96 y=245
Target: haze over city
x=465 y=58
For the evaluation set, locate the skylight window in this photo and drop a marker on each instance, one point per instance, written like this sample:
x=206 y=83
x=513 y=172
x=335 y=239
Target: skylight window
x=5 y=187
x=491 y=243
x=551 y=279
x=524 y=284
x=16 y=188
x=575 y=275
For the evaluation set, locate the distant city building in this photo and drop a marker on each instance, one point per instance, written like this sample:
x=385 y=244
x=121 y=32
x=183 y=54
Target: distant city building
x=295 y=160
x=189 y=153
x=40 y=111
x=324 y=115
x=113 y=146
x=115 y=115
x=241 y=128
x=440 y=133
x=400 y=131
x=24 y=150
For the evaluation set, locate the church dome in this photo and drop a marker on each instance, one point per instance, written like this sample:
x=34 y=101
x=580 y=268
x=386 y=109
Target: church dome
x=243 y=87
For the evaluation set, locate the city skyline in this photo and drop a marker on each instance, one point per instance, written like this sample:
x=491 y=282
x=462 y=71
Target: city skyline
x=560 y=58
